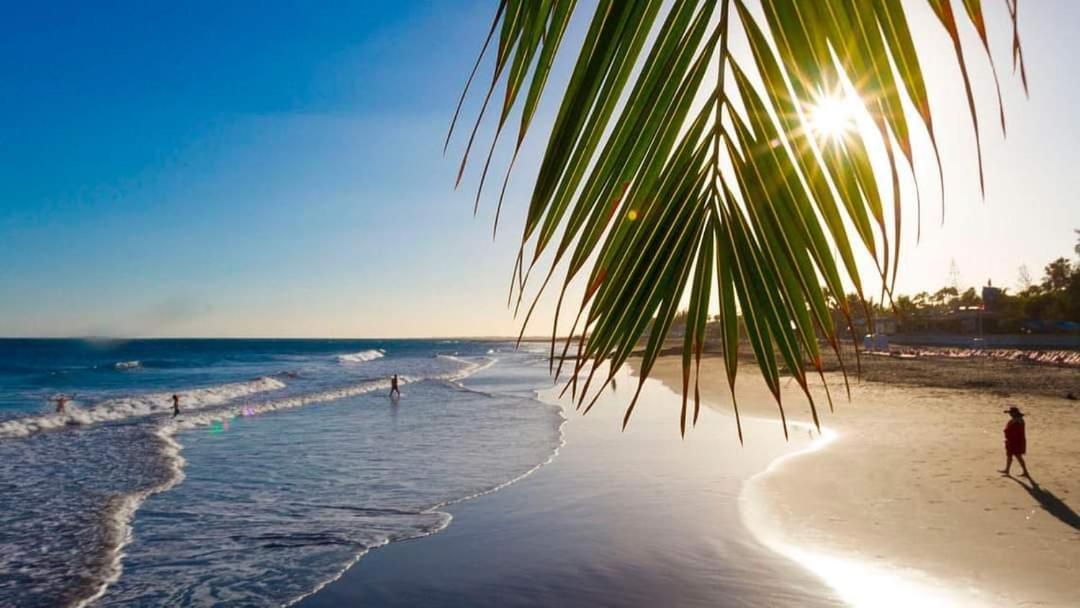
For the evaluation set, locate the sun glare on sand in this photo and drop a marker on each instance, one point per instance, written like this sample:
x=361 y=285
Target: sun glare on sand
x=862 y=582
x=832 y=115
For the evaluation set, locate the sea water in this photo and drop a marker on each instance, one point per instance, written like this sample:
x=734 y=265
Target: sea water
x=288 y=461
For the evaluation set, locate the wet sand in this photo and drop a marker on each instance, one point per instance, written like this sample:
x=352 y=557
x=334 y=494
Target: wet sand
x=904 y=505
x=635 y=518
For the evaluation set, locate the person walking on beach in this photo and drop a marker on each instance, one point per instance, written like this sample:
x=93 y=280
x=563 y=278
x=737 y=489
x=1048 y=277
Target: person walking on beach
x=175 y=405
x=1015 y=440
x=394 y=387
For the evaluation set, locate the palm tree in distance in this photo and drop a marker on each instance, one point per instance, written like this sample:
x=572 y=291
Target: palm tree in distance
x=678 y=174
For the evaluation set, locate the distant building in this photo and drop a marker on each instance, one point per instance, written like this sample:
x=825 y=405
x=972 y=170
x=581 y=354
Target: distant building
x=961 y=321
x=883 y=324
x=876 y=343
x=991 y=296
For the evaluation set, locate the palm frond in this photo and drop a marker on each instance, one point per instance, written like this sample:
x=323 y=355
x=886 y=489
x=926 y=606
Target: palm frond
x=676 y=172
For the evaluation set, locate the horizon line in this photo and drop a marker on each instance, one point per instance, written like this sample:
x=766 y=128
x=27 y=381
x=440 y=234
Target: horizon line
x=122 y=338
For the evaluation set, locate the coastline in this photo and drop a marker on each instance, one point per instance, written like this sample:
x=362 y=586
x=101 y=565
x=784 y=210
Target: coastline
x=441 y=509
x=130 y=533
x=617 y=518
x=904 y=503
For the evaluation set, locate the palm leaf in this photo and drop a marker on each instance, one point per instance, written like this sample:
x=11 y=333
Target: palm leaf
x=672 y=166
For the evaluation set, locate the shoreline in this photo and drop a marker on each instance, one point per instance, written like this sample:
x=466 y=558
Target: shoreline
x=858 y=582
x=440 y=509
x=122 y=511
x=600 y=524
x=871 y=508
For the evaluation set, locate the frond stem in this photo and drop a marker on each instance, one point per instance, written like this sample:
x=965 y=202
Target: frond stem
x=720 y=99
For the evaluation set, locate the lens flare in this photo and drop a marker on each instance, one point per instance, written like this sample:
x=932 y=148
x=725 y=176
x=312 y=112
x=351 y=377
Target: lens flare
x=832 y=116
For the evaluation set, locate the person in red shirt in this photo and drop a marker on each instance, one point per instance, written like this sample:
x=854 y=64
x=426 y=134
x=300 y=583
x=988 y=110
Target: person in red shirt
x=1015 y=440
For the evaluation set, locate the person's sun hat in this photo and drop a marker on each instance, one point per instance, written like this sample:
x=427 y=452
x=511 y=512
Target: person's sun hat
x=1014 y=411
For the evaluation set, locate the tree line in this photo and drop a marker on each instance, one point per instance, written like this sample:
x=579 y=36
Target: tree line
x=1049 y=304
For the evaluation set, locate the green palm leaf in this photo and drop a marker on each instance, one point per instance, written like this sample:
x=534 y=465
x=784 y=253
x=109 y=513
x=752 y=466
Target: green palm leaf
x=678 y=174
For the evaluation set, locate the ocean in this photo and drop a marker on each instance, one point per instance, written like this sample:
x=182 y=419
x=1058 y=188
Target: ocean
x=287 y=463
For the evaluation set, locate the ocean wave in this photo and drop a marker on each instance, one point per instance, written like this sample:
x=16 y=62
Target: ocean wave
x=470 y=368
x=191 y=421
x=436 y=509
x=124 y=365
x=121 y=512
x=136 y=406
x=362 y=356
x=187 y=422
x=199 y=408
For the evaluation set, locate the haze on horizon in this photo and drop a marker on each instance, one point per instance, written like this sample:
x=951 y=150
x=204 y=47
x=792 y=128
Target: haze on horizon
x=209 y=171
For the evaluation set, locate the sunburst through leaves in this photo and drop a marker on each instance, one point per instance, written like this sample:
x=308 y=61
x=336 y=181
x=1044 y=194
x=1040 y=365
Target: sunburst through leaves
x=680 y=170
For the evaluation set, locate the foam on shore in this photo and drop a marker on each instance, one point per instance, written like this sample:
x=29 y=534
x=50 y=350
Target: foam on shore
x=122 y=509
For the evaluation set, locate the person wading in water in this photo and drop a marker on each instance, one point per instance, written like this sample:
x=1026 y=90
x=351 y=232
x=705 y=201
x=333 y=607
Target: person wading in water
x=61 y=401
x=394 y=387
x=175 y=405
x=1015 y=440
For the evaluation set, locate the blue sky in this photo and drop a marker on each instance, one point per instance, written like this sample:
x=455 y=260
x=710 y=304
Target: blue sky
x=276 y=169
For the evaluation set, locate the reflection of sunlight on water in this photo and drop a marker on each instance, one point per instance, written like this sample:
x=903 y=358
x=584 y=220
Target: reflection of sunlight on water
x=857 y=582
x=862 y=584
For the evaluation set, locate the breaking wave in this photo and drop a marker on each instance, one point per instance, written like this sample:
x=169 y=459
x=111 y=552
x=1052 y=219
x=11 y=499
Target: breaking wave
x=147 y=435
x=362 y=356
x=187 y=422
x=135 y=406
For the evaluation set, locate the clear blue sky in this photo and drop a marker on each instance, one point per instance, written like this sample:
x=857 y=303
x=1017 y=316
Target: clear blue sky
x=275 y=169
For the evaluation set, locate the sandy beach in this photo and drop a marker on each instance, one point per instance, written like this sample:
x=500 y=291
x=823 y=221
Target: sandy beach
x=906 y=495
x=285 y=286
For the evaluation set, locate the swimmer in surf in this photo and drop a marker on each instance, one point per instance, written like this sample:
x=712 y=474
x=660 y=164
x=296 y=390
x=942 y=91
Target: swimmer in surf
x=175 y=405
x=61 y=401
x=394 y=387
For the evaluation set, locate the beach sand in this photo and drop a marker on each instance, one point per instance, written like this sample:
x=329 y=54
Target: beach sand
x=634 y=518
x=904 y=505
x=897 y=503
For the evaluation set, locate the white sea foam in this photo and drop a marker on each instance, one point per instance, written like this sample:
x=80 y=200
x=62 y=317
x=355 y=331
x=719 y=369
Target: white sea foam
x=198 y=411
x=361 y=357
x=190 y=421
x=135 y=406
x=470 y=368
x=447 y=517
x=455 y=378
x=121 y=512
x=186 y=422
x=122 y=365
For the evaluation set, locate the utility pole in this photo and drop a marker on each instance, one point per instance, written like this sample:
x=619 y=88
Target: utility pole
x=954 y=275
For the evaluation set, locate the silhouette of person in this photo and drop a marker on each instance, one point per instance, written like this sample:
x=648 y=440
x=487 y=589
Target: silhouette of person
x=61 y=401
x=175 y=405
x=1015 y=440
x=394 y=387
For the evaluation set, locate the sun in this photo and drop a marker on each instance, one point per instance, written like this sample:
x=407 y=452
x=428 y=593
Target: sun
x=832 y=115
